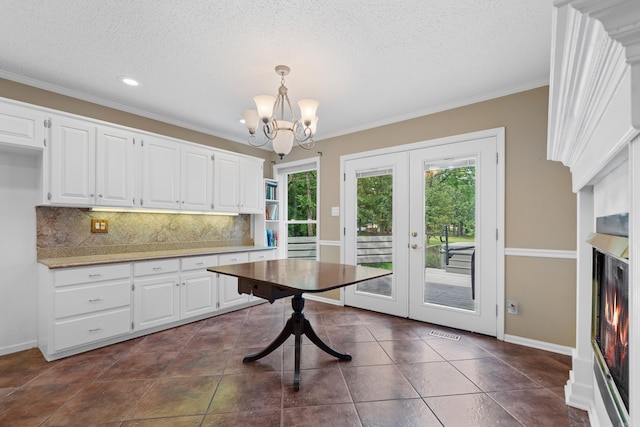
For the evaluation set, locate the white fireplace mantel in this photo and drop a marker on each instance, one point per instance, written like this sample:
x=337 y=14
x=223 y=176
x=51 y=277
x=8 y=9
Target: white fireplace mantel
x=594 y=123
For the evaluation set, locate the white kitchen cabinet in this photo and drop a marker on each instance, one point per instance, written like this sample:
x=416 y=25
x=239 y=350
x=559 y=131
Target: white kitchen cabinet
x=196 y=184
x=81 y=306
x=115 y=161
x=160 y=174
x=199 y=287
x=156 y=293
x=72 y=162
x=238 y=184
x=22 y=127
x=228 y=285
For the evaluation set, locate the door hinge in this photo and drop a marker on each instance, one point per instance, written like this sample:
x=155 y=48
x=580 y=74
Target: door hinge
x=141 y=202
x=133 y=287
x=217 y=304
x=133 y=326
x=497 y=159
x=344 y=176
x=496 y=310
x=47 y=123
x=48 y=196
x=213 y=157
x=497 y=235
x=344 y=231
x=142 y=142
x=133 y=141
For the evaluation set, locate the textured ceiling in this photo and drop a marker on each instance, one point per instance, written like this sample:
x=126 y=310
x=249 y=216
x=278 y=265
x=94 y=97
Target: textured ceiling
x=200 y=62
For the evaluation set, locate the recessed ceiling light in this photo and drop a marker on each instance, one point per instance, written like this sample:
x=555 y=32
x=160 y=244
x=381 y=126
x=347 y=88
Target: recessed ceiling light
x=128 y=81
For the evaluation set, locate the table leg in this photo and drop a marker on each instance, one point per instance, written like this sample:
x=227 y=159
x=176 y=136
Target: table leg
x=297 y=325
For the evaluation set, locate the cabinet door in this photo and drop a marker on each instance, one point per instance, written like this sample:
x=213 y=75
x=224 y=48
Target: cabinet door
x=226 y=183
x=114 y=168
x=160 y=174
x=197 y=178
x=198 y=293
x=228 y=285
x=21 y=127
x=156 y=301
x=73 y=162
x=251 y=186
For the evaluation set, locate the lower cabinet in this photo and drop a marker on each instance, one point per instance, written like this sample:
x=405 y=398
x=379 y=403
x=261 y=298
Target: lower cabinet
x=199 y=288
x=88 y=307
x=229 y=296
x=156 y=293
x=80 y=306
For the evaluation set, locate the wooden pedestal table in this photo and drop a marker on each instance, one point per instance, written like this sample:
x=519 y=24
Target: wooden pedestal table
x=281 y=278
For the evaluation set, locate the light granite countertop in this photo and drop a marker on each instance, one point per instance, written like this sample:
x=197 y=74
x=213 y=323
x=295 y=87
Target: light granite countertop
x=87 y=260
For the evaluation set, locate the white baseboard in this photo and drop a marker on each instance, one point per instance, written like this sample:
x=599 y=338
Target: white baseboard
x=527 y=342
x=312 y=297
x=18 y=347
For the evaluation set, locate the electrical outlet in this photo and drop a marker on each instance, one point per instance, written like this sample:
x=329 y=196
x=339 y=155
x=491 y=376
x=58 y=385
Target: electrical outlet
x=512 y=307
x=99 y=225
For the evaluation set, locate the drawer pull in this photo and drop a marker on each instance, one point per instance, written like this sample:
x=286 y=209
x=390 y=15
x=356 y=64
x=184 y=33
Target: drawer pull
x=95 y=275
x=233 y=259
x=95 y=299
x=200 y=263
x=95 y=330
x=157 y=268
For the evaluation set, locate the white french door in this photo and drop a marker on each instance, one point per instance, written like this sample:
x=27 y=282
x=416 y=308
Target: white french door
x=430 y=215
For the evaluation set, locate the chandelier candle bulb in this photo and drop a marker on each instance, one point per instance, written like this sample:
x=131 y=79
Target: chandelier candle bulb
x=308 y=109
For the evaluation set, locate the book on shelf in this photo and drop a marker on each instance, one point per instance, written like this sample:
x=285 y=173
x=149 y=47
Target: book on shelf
x=271 y=190
x=271 y=212
x=272 y=237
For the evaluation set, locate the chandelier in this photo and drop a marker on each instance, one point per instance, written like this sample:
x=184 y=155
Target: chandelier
x=277 y=128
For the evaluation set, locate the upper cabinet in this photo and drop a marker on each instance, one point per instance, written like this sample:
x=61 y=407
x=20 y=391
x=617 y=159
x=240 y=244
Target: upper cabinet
x=160 y=174
x=176 y=175
x=115 y=160
x=21 y=127
x=91 y=163
x=196 y=185
x=238 y=184
x=72 y=162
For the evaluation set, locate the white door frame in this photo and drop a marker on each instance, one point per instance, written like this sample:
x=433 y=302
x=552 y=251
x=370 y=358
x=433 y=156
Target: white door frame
x=499 y=134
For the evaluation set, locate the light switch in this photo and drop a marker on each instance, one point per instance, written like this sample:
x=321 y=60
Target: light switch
x=335 y=211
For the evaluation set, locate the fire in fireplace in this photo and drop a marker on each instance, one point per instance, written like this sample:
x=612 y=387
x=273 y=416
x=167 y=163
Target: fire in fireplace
x=611 y=321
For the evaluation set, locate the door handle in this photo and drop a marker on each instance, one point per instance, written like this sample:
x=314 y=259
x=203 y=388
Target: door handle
x=415 y=246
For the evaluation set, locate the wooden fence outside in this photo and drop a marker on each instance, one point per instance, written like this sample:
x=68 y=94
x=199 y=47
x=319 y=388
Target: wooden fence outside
x=370 y=248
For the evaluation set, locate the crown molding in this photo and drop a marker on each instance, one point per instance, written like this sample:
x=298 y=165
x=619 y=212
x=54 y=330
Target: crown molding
x=590 y=104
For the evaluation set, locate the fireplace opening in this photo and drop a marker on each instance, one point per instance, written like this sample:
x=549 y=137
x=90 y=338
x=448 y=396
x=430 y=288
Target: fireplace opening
x=611 y=324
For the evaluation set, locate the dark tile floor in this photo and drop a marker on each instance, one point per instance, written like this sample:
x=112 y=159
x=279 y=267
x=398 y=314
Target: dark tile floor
x=194 y=376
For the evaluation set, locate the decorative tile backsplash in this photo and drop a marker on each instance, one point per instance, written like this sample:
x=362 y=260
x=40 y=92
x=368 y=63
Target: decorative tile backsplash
x=67 y=232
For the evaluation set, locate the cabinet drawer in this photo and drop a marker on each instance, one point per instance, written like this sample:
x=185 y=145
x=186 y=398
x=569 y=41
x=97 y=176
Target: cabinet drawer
x=235 y=258
x=96 y=273
x=91 y=328
x=91 y=298
x=261 y=255
x=162 y=266
x=199 y=262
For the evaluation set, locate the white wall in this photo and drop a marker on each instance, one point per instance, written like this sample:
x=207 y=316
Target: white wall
x=611 y=193
x=18 y=268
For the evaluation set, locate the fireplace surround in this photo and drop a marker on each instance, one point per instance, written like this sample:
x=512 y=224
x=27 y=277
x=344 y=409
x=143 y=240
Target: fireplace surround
x=594 y=127
x=610 y=315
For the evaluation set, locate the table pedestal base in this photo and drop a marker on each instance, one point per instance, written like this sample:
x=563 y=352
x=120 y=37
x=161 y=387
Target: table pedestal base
x=297 y=325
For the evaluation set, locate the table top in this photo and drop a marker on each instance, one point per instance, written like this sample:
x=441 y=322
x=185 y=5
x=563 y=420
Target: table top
x=301 y=274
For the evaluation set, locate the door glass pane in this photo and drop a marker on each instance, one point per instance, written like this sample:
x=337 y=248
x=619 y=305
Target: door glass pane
x=374 y=228
x=450 y=224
